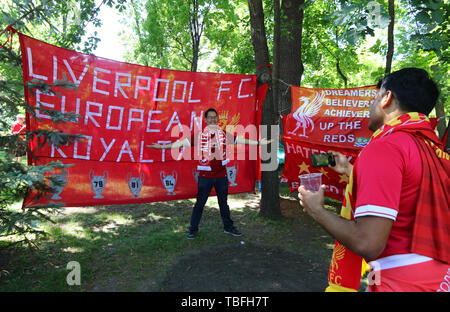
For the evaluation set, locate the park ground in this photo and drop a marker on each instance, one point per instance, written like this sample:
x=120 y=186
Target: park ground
x=144 y=247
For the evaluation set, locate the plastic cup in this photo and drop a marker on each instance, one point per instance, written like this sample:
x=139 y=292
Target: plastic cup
x=311 y=181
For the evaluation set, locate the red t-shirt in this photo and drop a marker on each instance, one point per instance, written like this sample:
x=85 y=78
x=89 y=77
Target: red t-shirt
x=388 y=173
x=216 y=167
x=16 y=128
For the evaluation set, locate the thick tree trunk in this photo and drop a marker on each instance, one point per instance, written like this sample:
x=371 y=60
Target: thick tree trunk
x=270 y=199
x=291 y=66
x=390 y=52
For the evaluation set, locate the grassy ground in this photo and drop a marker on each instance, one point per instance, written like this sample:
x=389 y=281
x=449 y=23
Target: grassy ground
x=119 y=246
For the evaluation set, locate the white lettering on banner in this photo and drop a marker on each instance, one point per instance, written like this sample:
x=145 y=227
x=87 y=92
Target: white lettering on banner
x=139 y=87
x=131 y=119
x=240 y=96
x=190 y=100
x=349 y=125
x=77 y=107
x=88 y=149
x=126 y=83
x=175 y=83
x=30 y=67
x=348 y=103
x=55 y=69
x=39 y=103
x=338 y=138
x=163 y=151
x=354 y=92
x=107 y=148
x=141 y=154
x=345 y=113
x=306 y=151
x=198 y=120
x=108 y=120
x=155 y=93
x=150 y=121
x=223 y=89
x=326 y=125
x=118 y=85
x=90 y=115
x=174 y=119
x=76 y=81
x=125 y=150
x=52 y=154
x=96 y=80
x=302 y=150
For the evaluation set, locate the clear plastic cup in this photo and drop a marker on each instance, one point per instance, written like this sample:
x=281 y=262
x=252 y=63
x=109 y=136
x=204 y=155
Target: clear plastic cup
x=311 y=181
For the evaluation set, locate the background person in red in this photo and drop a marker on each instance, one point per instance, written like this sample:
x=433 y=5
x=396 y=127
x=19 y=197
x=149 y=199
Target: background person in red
x=398 y=193
x=17 y=128
x=211 y=145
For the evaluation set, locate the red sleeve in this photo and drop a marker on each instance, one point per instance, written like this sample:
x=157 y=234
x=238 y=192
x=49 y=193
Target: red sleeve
x=379 y=175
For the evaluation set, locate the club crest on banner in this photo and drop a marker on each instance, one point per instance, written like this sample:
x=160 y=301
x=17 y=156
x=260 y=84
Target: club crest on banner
x=232 y=174
x=223 y=120
x=135 y=184
x=169 y=181
x=98 y=183
x=308 y=109
x=58 y=182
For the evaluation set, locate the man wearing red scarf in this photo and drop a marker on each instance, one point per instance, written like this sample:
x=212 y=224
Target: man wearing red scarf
x=210 y=151
x=396 y=210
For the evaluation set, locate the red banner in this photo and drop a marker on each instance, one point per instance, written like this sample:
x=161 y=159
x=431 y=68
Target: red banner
x=123 y=108
x=324 y=120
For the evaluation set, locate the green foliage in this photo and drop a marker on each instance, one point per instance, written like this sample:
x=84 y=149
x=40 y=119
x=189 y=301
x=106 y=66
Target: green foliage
x=59 y=22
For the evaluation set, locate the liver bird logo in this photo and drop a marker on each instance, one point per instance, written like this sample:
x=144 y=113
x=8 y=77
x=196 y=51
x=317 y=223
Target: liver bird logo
x=306 y=111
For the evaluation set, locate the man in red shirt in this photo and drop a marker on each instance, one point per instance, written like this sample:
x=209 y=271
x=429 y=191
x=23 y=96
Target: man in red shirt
x=17 y=128
x=210 y=147
x=391 y=224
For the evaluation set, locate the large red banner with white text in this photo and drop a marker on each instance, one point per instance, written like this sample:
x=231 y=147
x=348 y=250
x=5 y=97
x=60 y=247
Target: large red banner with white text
x=123 y=108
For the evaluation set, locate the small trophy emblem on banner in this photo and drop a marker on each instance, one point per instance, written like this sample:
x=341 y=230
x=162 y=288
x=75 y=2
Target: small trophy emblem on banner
x=169 y=181
x=98 y=183
x=58 y=182
x=135 y=184
x=232 y=173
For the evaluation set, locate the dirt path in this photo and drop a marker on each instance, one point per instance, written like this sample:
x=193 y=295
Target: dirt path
x=246 y=267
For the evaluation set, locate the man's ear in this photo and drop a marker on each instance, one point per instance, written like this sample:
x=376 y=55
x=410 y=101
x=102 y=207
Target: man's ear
x=387 y=99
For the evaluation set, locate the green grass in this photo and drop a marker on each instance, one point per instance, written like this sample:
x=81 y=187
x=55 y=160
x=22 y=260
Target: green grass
x=124 y=245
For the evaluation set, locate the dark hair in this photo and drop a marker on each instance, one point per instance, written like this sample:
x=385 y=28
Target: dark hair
x=210 y=110
x=413 y=89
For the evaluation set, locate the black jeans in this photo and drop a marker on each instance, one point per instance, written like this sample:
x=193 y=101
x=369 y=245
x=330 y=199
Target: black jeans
x=204 y=189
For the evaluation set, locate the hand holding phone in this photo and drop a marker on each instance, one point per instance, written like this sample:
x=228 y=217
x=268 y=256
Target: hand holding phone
x=323 y=160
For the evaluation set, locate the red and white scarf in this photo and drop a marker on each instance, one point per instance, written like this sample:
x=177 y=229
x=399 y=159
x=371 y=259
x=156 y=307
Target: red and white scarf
x=211 y=145
x=431 y=232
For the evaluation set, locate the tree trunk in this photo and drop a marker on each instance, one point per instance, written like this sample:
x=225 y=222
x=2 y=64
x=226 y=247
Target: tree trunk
x=270 y=199
x=390 y=52
x=291 y=66
x=196 y=33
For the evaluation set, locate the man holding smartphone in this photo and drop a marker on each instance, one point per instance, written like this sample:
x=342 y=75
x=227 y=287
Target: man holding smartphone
x=396 y=209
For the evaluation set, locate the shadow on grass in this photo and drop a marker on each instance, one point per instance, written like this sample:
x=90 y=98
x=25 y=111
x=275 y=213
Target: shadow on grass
x=143 y=247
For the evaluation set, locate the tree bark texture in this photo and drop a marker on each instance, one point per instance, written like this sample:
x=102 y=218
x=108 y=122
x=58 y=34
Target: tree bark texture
x=290 y=65
x=270 y=199
x=390 y=52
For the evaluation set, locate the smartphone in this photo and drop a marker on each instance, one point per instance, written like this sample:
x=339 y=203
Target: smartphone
x=323 y=160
